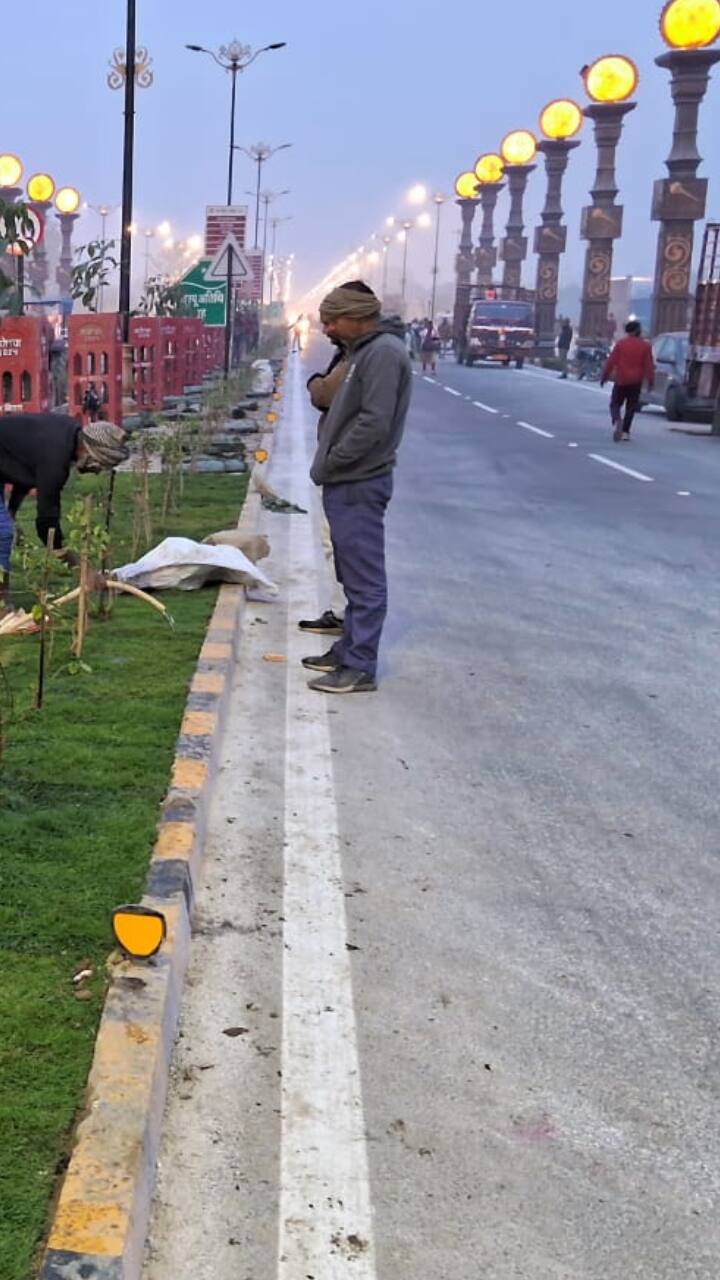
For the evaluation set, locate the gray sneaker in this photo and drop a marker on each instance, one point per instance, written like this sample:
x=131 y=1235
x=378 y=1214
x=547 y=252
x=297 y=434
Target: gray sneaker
x=344 y=680
x=323 y=662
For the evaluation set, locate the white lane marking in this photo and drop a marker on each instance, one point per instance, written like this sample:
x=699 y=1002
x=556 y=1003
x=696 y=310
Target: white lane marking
x=452 y=391
x=324 y=1181
x=616 y=466
x=507 y=415
x=683 y=493
x=487 y=407
x=572 y=446
x=549 y=376
x=426 y=379
x=538 y=430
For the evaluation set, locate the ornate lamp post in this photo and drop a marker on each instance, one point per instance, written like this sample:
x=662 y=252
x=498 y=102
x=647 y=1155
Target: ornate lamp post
x=11 y=172
x=688 y=27
x=40 y=190
x=560 y=121
x=387 y=241
x=259 y=153
x=489 y=171
x=67 y=203
x=438 y=200
x=466 y=188
x=610 y=82
x=518 y=150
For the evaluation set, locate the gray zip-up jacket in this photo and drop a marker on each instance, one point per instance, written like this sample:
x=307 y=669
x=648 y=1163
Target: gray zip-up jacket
x=359 y=436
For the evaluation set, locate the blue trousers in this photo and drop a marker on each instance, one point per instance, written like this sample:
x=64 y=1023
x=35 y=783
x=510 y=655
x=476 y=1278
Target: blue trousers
x=356 y=515
x=7 y=534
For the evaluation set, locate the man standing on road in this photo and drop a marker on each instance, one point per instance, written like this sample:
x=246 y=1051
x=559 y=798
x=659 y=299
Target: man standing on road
x=37 y=451
x=564 y=343
x=354 y=463
x=630 y=363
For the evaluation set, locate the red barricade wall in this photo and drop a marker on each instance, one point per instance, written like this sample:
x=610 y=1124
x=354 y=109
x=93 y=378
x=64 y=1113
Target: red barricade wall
x=172 y=378
x=191 y=331
x=213 y=348
x=95 y=355
x=24 y=364
x=146 y=341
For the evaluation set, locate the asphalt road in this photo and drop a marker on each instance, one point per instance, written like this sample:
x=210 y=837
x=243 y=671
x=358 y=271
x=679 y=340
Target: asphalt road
x=524 y=820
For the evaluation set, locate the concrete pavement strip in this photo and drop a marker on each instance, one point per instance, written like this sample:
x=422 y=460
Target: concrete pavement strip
x=100 y=1219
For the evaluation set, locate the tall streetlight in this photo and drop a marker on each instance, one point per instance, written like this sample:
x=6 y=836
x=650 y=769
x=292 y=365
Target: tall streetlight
x=466 y=190
x=128 y=69
x=11 y=172
x=518 y=150
x=489 y=171
x=67 y=203
x=40 y=190
x=267 y=198
x=610 y=82
x=387 y=241
x=688 y=27
x=275 y=223
x=233 y=58
x=259 y=152
x=560 y=121
x=438 y=200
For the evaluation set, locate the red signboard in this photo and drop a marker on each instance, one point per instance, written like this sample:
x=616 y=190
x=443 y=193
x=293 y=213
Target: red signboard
x=222 y=220
x=95 y=357
x=24 y=364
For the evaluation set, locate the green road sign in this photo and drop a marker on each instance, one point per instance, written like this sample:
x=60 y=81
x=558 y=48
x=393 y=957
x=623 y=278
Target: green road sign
x=205 y=297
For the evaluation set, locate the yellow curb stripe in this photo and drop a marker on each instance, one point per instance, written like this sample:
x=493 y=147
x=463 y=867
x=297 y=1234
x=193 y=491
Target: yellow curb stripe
x=196 y=723
x=215 y=652
x=189 y=775
x=208 y=682
x=175 y=840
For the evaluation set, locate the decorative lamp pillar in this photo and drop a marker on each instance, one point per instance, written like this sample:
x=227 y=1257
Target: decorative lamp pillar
x=688 y=27
x=488 y=173
x=67 y=203
x=465 y=189
x=518 y=150
x=610 y=82
x=560 y=122
x=11 y=172
x=40 y=190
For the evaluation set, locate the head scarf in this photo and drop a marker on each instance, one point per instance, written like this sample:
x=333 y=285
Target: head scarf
x=105 y=444
x=353 y=303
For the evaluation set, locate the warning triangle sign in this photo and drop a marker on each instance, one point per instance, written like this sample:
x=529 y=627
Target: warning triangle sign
x=229 y=252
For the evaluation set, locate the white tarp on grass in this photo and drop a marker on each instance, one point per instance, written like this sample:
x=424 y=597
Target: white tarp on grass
x=181 y=564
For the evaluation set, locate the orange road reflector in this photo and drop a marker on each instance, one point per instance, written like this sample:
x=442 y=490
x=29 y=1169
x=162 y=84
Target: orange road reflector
x=139 y=931
x=271 y=417
x=261 y=455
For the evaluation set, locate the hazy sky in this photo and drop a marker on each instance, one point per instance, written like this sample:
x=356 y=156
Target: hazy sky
x=374 y=97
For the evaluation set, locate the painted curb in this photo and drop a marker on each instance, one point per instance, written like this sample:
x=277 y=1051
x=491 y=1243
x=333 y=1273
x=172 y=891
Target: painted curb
x=102 y=1214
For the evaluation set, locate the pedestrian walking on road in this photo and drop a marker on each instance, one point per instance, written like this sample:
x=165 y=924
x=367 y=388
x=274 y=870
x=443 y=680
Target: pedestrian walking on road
x=564 y=343
x=354 y=464
x=629 y=364
x=37 y=451
x=429 y=347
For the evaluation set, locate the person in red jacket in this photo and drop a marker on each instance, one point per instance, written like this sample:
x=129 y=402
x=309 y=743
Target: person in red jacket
x=629 y=364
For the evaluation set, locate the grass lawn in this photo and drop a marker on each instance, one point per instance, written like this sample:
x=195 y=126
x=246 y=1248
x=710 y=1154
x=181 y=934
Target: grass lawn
x=80 y=787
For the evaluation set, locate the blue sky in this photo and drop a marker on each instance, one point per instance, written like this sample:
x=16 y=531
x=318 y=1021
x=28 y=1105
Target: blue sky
x=373 y=96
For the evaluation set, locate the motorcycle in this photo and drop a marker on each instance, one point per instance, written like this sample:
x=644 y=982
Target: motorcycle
x=589 y=363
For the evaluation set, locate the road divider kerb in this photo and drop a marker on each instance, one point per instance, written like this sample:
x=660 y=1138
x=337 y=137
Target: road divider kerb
x=100 y=1220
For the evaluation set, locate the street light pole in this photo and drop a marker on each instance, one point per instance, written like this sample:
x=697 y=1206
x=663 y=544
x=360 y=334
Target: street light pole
x=234 y=58
x=267 y=198
x=560 y=121
x=387 y=241
x=407 y=228
x=466 y=187
x=439 y=201
x=275 y=224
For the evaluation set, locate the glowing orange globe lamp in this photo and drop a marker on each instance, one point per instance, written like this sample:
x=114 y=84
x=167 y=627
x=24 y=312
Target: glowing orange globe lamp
x=518 y=147
x=561 y=119
x=41 y=188
x=67 y=200
x=11 y=170
x=489 y=168
x=690 y=24
x=613 y=78
x=466 y=186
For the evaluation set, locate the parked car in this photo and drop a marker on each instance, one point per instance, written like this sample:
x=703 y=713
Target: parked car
x=670 y=353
